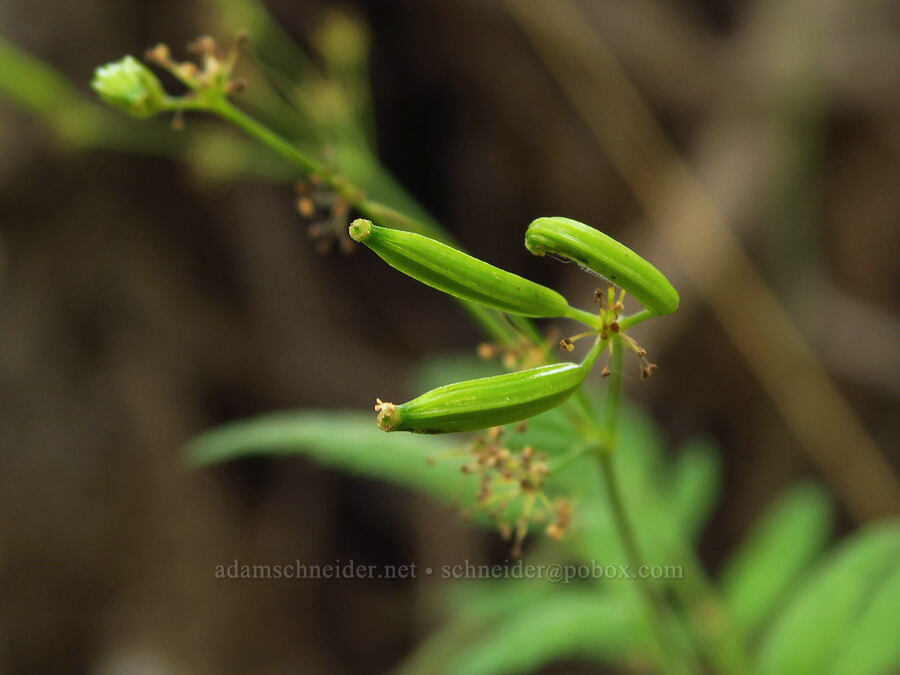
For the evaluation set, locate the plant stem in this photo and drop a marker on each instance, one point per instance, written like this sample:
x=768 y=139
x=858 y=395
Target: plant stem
x=721 y=644
x=635 y=319
x=282 y=146
x=584 y=317
x=671 y=660
x=613 y=398
x=670 y=657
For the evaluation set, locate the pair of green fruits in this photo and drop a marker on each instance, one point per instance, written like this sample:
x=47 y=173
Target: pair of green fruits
x=498 y=400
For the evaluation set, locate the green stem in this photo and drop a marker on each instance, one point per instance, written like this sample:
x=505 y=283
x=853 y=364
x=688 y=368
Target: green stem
x=584 y=317
x=260 y=132
x=721 y=644
x=613 y=398
x=635 y=319
x=671 y=658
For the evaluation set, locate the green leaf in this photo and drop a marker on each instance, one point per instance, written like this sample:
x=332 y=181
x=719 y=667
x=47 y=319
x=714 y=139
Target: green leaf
x=694 y=478
x=470 y=607
x=567 y=624
x=806 y=637
x=789 y=536
x=350 y=441
x=346 y=440
x=472 y=600
x=572 y=625
x=871 y=645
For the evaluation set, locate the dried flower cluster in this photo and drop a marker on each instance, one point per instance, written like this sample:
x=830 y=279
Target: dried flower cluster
x=511 y=487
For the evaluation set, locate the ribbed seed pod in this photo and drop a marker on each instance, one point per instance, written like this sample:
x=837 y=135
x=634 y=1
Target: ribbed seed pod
x=488 y=401
x=452 y=271
x=603 y=255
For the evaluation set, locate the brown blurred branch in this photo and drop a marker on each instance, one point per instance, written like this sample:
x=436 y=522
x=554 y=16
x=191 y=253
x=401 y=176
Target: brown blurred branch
x=712 y=256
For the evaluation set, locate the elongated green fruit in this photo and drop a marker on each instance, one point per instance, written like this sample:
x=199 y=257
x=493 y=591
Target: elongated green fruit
x=488 y=401
x=452 y=271
x=603 y=255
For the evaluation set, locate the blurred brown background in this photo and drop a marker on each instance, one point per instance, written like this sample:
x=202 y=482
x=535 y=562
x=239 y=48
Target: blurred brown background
x=141 y=303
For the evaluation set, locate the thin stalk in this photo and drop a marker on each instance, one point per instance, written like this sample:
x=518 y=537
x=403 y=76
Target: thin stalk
x=671 y=659
x=584 y=317
x=635 y=319
x=280 y=145
x=613 y=398
x=722 y=646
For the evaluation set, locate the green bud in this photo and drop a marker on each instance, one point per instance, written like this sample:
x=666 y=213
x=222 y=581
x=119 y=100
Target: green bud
x=603 y=255
x=130 y=86
x=488 y=401
x=459 y=274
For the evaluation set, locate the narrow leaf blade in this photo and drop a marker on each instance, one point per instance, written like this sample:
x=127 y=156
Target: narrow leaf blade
x=780 y=546
x=694 y=479
x=346 y=440
x=806 y=635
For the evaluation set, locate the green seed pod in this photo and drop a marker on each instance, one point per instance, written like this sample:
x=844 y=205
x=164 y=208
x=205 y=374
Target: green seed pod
x=603 y=255
x=130 y=86
x=488 y=401
x=459 y=274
